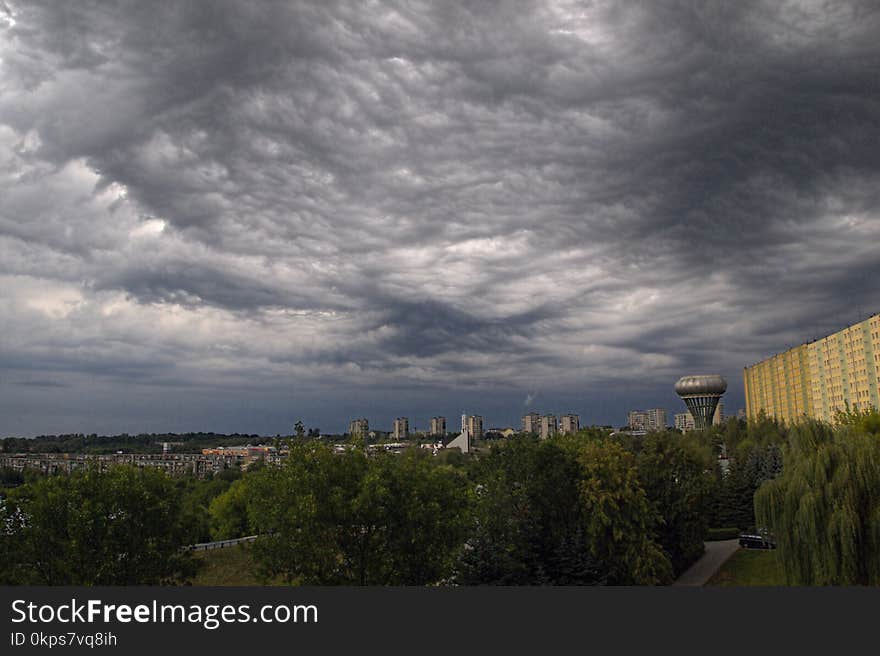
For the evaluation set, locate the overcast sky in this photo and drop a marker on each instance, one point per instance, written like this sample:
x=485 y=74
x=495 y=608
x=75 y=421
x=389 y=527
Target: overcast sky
x=232 y=215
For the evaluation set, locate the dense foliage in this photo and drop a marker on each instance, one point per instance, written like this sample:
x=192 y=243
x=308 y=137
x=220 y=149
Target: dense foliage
x=530 y=524
x=824 y=509
x=587 y=509
x=120 y=527
x=754 y=456
x=350 y=518
x=679 y=476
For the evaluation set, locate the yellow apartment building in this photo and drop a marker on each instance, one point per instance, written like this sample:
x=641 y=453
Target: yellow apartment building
x=819 y=378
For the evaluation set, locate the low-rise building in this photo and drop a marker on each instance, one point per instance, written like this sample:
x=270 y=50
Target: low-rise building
x=174 y=464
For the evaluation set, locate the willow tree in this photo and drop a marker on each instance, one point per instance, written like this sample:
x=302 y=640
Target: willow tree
x=824 y=509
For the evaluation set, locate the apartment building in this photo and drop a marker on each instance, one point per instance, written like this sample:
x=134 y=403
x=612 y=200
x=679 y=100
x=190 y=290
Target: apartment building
x=474 y=425
x=531 y=423
x=401 y=428
x=569 y=424
x=647 y=420
x=359 y=428
x=818 y=379
x=438 y=426
x=549 y=426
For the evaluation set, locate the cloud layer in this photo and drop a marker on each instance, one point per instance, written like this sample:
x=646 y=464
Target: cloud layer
x=230 y=215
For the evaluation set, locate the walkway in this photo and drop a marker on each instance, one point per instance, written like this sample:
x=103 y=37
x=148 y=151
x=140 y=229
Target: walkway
x=710 y=562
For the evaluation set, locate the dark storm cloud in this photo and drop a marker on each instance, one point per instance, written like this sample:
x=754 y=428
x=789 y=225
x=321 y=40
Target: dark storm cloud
x=544 y=196
x=430 y=328
x=40 y=383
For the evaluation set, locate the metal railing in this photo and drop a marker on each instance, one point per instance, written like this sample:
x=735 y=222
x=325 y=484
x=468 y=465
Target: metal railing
x=220 y=544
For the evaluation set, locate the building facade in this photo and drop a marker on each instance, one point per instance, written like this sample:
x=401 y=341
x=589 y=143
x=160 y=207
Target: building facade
x=401 y=428
x=548 y=426
x=473 y=426
x=531 y=423
x=684 y=421
x=569 y=424
x=200 y=465
x=780 y=386
x=820 y=378
x=438 y=426
x=359 y=428
x=647 y=420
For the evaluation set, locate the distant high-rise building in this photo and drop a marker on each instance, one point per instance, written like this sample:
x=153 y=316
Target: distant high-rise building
x=636 y=419
x=401 y=428
x=647 y=420
x=569 y=424
x=656 y=419
x=464 y=423
x=438 y=426
x=359 y=428
x=531 y=423
x=684 y=422
x=474 y=426
x=741 y=414
x=548 y=426
x=819 y=378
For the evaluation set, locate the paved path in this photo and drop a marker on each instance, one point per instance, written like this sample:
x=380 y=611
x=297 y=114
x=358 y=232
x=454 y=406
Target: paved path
x=716 y=555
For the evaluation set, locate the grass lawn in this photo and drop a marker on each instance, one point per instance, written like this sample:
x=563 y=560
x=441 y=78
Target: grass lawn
x=750 y=567
x=231 y=566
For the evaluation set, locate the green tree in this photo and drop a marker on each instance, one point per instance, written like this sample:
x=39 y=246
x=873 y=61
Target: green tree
x=10 y=478
x=862 y=421
x=569 y=510
x=196 y=497
x=530 y=526
x=621 y=521
x=824 y=509
x=353 y=518
x=750 y=467
x=118 y=527
x=228 y=512
x=678 y=476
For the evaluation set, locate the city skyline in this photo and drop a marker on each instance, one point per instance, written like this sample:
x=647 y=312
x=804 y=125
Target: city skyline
x=229 y=217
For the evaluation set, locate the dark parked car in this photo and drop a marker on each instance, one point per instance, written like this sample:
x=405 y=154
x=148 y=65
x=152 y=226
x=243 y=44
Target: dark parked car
x=758 y=539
